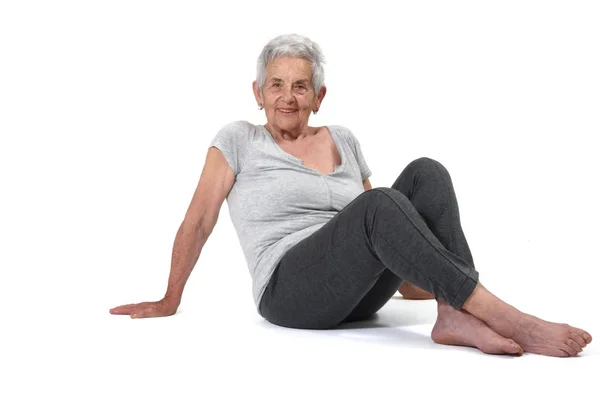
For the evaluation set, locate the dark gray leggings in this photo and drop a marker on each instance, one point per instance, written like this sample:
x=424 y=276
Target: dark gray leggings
x=348 y=269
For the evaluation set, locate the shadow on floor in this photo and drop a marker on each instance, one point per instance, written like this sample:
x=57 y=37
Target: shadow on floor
x=399 y=322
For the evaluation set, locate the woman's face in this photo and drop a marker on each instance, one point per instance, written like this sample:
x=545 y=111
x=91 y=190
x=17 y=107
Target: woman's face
x=288 y=95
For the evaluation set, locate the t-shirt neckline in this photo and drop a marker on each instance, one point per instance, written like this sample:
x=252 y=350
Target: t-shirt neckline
x=298 y=161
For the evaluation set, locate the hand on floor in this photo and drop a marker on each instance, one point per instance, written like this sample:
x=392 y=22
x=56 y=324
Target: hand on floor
x=412 y=292
x=148 y=309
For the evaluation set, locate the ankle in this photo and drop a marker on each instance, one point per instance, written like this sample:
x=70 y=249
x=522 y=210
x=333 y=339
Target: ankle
x=441 y=302
x=500 y=316
x=479 y=302
x=443 y=306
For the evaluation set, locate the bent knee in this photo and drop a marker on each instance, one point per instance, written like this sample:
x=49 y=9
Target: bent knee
x=426 y=165
x=425 y=162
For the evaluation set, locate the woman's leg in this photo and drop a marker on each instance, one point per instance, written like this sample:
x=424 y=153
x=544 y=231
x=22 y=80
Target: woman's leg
x=428 y=186
x=424 y=187
x=323 y=278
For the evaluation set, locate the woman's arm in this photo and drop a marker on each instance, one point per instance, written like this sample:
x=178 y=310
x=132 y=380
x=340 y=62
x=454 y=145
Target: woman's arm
x=367 y=184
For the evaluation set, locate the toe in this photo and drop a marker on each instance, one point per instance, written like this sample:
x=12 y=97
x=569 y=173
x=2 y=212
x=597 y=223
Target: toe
x=586 y=336
x=574 y=345
x=561 y=353
x=511 y=347
x=568 y=349
x=578 y=339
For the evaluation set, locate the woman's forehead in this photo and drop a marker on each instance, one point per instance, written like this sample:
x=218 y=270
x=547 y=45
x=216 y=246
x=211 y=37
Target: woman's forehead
x=289 y=66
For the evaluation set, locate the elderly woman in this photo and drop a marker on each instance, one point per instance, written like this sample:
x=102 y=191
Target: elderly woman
x=321 y=245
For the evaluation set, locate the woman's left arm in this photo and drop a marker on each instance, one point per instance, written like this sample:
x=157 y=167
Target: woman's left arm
x=367 y=184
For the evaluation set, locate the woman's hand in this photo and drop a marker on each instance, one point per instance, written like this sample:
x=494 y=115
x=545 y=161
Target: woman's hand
x=412 y=292
x=149 y=309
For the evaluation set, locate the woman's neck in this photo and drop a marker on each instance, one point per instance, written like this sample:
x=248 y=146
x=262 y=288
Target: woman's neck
x=291 y=135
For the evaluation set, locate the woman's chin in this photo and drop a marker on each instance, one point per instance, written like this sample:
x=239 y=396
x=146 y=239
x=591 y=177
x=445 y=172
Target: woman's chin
x=288 y=122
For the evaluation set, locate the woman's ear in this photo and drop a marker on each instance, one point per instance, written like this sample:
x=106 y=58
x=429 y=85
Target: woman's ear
x=257 y=94
x=320 y=96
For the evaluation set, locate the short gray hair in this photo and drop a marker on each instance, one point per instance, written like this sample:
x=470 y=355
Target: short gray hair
x=292 y=45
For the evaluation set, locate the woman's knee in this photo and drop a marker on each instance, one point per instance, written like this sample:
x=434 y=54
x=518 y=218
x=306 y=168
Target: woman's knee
x=428 y=168
x=426 y=163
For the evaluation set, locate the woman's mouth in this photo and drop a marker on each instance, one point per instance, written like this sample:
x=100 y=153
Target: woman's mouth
x=284 y=111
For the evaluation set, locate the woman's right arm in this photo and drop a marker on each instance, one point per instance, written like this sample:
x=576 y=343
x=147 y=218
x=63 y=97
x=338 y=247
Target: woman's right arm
x=216 y=181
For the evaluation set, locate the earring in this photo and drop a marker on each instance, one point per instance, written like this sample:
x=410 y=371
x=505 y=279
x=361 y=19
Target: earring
x=260 y=106
x=315 y=111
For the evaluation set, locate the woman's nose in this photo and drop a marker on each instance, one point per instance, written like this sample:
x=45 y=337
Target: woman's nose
x=288 y=95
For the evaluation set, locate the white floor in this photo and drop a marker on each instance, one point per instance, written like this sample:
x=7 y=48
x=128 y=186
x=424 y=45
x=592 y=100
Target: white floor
x=217 y=347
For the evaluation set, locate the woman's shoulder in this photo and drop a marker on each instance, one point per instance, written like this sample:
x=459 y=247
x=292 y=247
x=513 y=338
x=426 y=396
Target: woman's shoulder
x=342 y=130
x=239 y=125
x=241 y=129
x=337 y=127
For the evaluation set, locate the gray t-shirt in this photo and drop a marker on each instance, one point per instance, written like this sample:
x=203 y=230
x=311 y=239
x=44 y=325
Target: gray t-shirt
x=276 y=201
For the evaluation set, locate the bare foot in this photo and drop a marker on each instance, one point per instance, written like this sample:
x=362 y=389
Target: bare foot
x=542 y=337
x=463 y=329
x=533 y=334
x=412 y=292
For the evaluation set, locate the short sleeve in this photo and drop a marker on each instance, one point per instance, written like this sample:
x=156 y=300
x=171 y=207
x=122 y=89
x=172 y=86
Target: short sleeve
x=230 y=140
x=365 y=171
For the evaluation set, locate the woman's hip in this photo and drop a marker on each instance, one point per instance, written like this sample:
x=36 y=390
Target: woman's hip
x=321 y=279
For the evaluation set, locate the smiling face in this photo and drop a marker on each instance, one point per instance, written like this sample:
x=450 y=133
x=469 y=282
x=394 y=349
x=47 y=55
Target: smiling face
x=288 y=95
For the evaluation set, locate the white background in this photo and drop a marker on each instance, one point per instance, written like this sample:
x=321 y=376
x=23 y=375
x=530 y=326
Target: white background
x=106 y=113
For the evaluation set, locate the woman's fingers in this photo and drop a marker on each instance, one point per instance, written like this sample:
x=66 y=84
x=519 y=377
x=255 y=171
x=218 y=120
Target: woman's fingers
x=143 y=312
x=126 y=308
x=147 y=309
x=150 y=312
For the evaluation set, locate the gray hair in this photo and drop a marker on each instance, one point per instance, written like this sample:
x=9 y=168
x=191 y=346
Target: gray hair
x=292 y=45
